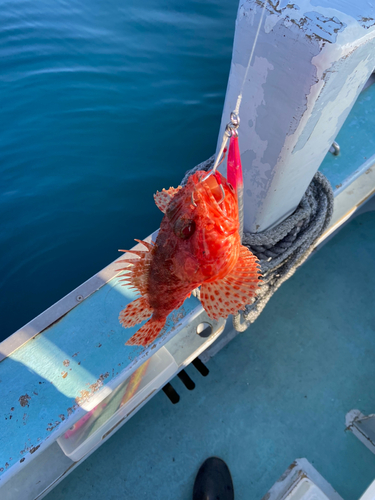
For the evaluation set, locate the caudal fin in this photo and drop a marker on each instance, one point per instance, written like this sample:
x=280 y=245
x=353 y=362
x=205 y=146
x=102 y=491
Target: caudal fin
x=147 y=333
x=135 y=312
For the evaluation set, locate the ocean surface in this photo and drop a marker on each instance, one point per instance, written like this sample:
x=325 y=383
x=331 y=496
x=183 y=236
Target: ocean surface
x=101 y=104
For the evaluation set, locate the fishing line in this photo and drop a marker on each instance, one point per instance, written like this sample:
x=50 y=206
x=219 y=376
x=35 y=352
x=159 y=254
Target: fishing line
x=234 y=116
x=232 y=126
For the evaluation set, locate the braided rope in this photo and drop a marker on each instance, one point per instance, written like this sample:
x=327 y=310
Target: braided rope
x=282 y=249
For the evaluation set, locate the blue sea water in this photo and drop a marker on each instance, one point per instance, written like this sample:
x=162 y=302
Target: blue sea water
x=101 y=104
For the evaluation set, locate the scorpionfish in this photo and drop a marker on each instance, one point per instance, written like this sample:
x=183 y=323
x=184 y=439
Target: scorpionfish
x=198 y=244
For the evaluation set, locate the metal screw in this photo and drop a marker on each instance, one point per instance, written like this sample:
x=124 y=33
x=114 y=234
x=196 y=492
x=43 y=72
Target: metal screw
x=79 y=298
x=334 y=149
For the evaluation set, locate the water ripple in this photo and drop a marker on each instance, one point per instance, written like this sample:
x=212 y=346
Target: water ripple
x=100 y=105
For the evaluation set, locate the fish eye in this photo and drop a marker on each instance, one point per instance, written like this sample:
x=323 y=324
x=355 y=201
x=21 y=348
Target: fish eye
x=184 y=229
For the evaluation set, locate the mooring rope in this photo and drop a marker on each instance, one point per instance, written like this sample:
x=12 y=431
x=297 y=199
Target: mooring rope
x=282 y=249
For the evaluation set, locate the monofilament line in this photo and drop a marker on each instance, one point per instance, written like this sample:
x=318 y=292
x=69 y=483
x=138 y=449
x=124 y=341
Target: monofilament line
x=239 y=98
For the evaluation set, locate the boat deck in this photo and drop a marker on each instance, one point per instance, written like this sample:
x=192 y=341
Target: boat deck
x=278 y=392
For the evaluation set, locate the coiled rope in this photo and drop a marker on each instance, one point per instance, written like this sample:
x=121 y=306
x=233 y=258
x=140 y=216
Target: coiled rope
x=282 y=249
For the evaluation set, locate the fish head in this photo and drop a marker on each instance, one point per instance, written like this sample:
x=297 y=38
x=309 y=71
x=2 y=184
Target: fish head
x=203 y=222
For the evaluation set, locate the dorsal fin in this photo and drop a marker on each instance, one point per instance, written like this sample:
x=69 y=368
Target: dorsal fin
x=232 y=293
x=163 y=198
x=149 y=246
x=137 y=274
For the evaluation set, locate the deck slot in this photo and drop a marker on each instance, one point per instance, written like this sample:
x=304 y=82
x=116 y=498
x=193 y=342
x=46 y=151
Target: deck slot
x=186 y=380
x=201 y=367
x=170 y=392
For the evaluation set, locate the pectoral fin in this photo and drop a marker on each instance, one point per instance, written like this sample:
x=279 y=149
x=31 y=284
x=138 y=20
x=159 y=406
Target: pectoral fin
x=232 y=293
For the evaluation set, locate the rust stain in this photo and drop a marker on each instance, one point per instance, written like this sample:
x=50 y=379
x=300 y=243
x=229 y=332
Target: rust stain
x=62 y=416
x=83 y=397
x=1 y=469
x=338 y=185
x=75 y=354
x=12 y=409
x=52 y=427
x=64 y=374
x=24 y=400
x=99 y=345
x=86 y=394
x=22 y=460
x=287 y=472
x=66 y=362
x=33 y=450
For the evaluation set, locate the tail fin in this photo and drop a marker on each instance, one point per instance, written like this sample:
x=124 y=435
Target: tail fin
x=135 y=312
x=147 y=333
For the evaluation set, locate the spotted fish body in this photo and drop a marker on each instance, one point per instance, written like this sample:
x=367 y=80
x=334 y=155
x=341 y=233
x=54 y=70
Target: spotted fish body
x=198 y=244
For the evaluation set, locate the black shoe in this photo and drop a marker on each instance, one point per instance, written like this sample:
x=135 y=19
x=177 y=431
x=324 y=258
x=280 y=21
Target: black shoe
x=213 y=481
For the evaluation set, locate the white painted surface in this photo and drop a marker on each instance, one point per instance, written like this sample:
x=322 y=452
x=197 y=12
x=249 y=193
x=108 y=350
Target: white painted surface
x=306 y=490
x=369 y=494
x=301 y=481
x=311 y=61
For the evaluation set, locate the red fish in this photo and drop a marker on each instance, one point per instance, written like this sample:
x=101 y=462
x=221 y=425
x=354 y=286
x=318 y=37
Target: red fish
x=198 y=244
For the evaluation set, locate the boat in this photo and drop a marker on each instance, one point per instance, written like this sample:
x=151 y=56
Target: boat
x=288 y=403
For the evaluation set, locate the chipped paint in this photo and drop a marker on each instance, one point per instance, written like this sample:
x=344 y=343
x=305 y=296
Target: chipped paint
x=41 y=402
x=324 y=56
x=86 y=394
x=24 y=400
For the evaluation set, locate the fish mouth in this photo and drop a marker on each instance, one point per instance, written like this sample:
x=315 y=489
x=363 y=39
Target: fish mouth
x=223 y=212
x=215 y=186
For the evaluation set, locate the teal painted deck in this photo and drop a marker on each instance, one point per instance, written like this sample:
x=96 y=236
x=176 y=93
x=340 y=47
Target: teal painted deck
x=277 y=392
